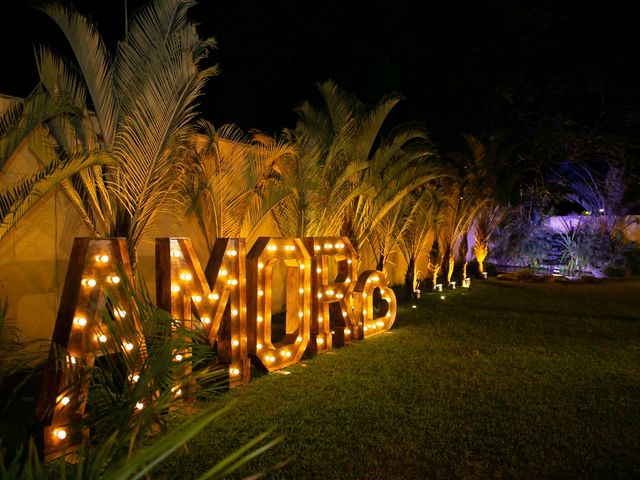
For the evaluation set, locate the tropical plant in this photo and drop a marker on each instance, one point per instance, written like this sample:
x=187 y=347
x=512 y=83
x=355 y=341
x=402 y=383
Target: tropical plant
x=144 y=100
x=396 y=182
x=134 y=393
x=22 y=117
x=463 y=251
x=232 y=182
x=436 y=257
x=26 y=119
x=421 y=227
x=486 y=178
x=17 y=200
x=459 y=211
x=347 y=178
x=322 y=178
x=107 y=462
x=486 y=222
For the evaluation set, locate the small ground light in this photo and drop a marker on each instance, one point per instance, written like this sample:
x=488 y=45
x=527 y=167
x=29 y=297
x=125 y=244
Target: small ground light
x=441 y=297
x=414 y=306
x=61 y=434
x=139 y=405
x=64 y=401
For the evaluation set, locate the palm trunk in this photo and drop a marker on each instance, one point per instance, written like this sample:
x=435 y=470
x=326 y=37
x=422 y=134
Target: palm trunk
x=410 y=277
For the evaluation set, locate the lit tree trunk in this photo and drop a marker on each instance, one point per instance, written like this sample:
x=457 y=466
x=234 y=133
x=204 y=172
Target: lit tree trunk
x=481 y=245
x=451 y=267
x=436 y=270
x=480 y=250
x=463 y=249
x=410 y=280
x=435 y=260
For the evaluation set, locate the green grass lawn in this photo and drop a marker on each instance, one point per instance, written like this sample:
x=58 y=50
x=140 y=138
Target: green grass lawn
x=503 y=380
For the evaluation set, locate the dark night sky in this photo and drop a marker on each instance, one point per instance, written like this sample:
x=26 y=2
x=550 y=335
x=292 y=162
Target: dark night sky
x=462 y=65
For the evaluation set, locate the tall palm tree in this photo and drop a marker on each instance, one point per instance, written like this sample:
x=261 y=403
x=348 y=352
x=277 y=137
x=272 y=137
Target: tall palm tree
x=486 y=222
x=347 y=179
x=460 y=210
x=322 y=177
x=144 y=100
x=421 y=227
x=233 y=180
x=486 y=176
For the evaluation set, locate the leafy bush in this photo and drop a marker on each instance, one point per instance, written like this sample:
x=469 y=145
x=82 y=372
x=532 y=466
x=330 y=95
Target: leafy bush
x=120 y=445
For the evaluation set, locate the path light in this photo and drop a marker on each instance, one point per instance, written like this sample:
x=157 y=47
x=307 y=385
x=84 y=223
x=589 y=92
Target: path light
x=414 y=306
x=441 y=297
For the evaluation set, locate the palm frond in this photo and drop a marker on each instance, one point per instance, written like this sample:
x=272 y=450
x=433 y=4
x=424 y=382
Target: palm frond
x=94 y=62
x=22 y=117
x=16 y=201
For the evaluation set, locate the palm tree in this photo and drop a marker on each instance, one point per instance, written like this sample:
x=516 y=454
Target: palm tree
x=422 y=226
x=18 y=199
x=322 y=178
x=144 y=99
x=459 y=211
x=233 y=180
x=347 y=179
x=33 y=119
x=21 y=118
x=486 y=222
x=486 y=179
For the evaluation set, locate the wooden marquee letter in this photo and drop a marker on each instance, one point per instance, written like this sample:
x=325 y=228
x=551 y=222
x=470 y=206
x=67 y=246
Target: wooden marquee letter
x=95 y=270
x=332 y=318
x=263 y=255
x=371 y=283
x=217 y=295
